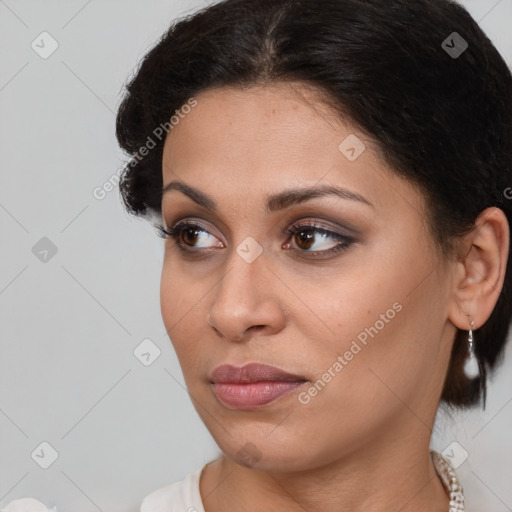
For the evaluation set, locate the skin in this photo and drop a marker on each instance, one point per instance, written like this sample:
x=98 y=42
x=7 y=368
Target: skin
x=362 y=443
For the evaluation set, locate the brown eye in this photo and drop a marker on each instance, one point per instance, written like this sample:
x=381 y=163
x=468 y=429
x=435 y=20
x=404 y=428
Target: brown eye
x=188 y=235
x=305 y=238
x=312 y=239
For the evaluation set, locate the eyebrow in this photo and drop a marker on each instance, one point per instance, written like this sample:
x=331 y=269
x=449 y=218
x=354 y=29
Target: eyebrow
x=274 y=202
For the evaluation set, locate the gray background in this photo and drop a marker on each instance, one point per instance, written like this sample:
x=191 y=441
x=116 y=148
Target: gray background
x=70 y=323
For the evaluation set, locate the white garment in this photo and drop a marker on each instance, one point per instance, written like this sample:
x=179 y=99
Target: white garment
x=27 y=505
x=185 y=496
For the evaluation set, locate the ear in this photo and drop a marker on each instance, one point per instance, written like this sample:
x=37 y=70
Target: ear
x=480 y=271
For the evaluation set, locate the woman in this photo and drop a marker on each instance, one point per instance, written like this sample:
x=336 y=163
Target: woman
x=330 y=178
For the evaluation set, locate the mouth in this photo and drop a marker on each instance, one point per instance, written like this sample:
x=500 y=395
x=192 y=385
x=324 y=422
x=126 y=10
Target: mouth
x=252 y=385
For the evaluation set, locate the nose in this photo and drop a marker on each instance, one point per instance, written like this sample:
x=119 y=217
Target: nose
x=246 y=300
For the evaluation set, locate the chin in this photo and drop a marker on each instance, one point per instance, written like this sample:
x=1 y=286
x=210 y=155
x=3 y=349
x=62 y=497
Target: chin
x=254 y=448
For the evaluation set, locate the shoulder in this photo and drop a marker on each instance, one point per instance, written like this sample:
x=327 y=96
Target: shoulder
x=182 y=496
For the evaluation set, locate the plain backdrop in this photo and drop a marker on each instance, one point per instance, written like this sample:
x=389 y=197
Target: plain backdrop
x=85 y=424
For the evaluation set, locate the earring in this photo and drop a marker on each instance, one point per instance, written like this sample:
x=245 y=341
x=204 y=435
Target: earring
x=471 y=369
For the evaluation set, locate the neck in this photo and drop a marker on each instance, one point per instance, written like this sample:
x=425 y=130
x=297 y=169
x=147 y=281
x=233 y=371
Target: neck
x=399 y=477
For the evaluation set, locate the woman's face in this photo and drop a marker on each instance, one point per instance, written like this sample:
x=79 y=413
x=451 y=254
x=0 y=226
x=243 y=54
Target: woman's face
x=358 y=311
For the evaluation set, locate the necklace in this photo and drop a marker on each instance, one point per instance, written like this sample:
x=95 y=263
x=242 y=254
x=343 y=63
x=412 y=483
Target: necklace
x=450 y=481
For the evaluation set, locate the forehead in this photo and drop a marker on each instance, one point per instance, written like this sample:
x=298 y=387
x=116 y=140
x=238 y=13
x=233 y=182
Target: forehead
x=283 y=117
x=241 y=141
x=256 y=127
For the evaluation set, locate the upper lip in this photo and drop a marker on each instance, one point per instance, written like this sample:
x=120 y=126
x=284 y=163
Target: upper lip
x=251 y=372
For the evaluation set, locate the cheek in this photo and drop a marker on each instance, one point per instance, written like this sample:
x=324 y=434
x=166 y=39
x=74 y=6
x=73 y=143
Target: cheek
x=171 y=300
x=183 y=314
x=375 y=314
x=388 y=347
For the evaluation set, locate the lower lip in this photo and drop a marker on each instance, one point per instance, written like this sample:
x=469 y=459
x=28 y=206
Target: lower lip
x=254 y=394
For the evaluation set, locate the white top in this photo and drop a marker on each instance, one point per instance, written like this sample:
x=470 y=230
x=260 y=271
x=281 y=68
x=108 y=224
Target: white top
x=185 y=496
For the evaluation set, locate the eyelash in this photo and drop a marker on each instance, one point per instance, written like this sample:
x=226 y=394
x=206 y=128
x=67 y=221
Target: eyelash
x=344 y=241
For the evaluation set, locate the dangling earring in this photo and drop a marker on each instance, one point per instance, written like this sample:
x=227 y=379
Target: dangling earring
x=471 y=369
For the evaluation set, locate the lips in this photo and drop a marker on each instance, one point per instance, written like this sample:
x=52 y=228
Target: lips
x=252 y=372
x=253 y=385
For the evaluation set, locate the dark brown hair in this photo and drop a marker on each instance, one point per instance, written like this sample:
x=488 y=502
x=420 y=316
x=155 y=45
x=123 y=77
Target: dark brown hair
x=440 y=113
